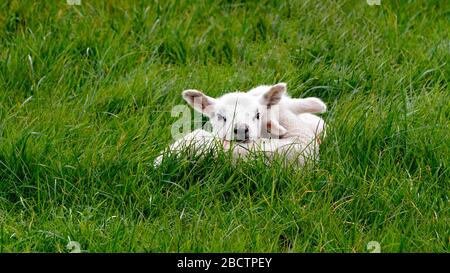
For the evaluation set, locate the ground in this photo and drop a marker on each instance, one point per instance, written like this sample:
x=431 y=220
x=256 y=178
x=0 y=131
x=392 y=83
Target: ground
x=86 y=94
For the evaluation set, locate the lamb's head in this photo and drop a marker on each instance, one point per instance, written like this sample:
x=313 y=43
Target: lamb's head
x=234 y=116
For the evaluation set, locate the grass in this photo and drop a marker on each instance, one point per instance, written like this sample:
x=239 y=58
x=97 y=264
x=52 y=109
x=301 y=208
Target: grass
x=85 y=99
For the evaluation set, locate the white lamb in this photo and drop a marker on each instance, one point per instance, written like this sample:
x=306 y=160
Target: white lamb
x=240 y=122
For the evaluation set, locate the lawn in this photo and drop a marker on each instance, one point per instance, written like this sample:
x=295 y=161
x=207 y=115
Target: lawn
x=86 y=94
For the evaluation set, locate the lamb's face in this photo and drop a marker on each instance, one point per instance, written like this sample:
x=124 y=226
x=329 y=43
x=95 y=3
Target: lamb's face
x=237 y=115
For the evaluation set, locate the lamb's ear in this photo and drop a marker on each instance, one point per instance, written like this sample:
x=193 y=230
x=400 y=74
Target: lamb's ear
x=199 y=101
x=273 y=95
x=306 y=105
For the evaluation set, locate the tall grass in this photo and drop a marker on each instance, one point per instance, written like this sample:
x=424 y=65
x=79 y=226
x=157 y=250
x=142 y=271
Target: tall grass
x=85 y=99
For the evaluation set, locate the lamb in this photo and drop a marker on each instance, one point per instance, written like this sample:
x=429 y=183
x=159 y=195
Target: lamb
x=243 y=118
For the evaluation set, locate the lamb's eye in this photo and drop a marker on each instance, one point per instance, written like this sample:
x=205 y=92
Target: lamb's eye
x=257 y=115
x=220 y=117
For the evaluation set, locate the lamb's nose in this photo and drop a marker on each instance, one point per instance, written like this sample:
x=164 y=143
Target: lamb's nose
x=241 y=129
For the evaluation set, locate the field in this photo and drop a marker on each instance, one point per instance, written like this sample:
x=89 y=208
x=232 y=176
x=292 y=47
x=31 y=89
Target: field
x=86 y=94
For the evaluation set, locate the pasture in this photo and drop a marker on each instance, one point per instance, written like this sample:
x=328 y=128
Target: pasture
x=86 y=93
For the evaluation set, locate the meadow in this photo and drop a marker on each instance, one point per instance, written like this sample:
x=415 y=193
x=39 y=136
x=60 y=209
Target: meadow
x=86 y=93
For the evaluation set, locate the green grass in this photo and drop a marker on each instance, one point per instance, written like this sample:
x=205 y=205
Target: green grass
x=85 y=99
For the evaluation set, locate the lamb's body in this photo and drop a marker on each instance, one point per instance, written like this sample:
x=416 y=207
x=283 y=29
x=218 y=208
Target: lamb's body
x=291 y=150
